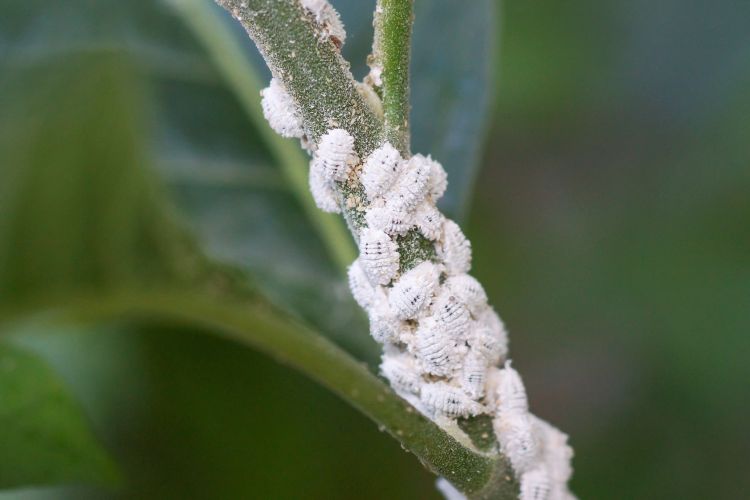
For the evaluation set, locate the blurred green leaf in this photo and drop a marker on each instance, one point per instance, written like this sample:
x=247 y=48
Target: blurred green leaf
x=44 y=435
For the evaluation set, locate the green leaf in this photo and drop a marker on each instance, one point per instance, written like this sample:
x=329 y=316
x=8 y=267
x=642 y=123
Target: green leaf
x=209 y=154
x=44 y=436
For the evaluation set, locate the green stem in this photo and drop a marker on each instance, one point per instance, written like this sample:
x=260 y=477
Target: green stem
x=391 y=54
x=311 y=69
x=233 y=64
x=258 y=325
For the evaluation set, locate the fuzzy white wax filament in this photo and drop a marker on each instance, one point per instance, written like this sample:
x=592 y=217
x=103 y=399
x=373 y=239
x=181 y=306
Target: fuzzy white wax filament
x=279 y=110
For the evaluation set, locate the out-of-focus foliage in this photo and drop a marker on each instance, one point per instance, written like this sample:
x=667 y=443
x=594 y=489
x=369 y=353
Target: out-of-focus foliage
x=613 y=228
x=123 y=152
x=41 y=424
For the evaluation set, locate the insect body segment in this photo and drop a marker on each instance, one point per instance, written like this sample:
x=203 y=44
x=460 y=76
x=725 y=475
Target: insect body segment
x=378 y=256
x=444 y=399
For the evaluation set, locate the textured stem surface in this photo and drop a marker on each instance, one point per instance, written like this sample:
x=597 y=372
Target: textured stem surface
x=311 y=69
x=390 y=57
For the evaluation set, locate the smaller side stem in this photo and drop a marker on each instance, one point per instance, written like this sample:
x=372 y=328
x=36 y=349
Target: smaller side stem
x=390 y=57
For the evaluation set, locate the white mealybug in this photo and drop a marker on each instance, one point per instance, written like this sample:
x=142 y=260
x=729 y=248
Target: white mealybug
x=438 y=181
x=441 y=398
x=517 y=438
x=336 y=154
x=324 y=195
x=385 y=219
x=535 y=485
x=473 y=375
x=410 y=189
x=279 y=110
x=378 y=256
x=428 y=220
x=380 y=170
x=455 y=249
x=385 y=327
x=328 y=19
x=469 y=291
x=451 y=316
x=402 y=373
x=511 y=394
x=362 y=290
x=439 y=352
x=414 y=290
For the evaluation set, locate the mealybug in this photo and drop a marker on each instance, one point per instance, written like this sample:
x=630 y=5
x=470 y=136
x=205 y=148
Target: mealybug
x=439 y=352
x=473 y=375
x=451 y=316
x=413 y=290
x=379 y=256
x=511 y=394
x=324 y=195
x=402 y=373
x=441 y=398
x=279 y=110
x=517 y=438
x=428 y=220
x=380 y=170
x=455 y=249
x=410 y=188
x=385 y=219
x=336 y=154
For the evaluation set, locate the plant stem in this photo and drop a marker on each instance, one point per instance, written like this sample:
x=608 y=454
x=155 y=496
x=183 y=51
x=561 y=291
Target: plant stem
x=311 y=69
x=318 y=79
x=390 y=56
x=233 y=64
x=259 y=326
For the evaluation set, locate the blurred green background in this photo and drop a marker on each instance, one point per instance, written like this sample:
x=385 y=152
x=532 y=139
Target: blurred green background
x=610 y=225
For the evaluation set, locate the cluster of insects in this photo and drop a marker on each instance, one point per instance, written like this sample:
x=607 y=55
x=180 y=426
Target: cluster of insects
x=444 y=348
